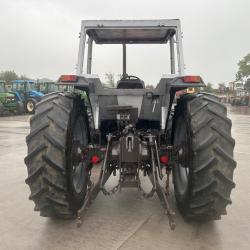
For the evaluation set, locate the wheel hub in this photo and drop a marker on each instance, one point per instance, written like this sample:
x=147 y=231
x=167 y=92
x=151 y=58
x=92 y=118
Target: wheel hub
x=181 y=170
x=30 y=106
x=79 y=168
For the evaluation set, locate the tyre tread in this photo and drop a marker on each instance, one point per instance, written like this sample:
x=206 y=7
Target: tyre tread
x=46 y=171
x=213 y=163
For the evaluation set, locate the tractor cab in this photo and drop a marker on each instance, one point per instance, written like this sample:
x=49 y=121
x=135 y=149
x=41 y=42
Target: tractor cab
x=152 y=105
x=127 y=34
x=46 y=87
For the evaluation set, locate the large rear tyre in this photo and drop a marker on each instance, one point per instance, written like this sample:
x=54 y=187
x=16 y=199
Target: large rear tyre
x=203 y=176
x=57 y=181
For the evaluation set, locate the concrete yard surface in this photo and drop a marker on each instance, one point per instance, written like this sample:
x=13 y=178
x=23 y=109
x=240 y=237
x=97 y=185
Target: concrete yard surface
x=123 y=221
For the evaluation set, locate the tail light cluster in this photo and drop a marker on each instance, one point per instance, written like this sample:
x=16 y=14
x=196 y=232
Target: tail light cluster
x=192 y=79
x=68 y=78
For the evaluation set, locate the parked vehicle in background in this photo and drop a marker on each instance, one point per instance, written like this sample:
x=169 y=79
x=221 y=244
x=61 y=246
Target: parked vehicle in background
x=25 y=91
x=8 y=102
x=49 y=87
x=46 y=87
x=239 y=93
x=247 y=85
x=65 y=87
x=241 y=98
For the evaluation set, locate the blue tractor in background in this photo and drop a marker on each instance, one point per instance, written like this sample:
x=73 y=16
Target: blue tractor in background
x=25 y=91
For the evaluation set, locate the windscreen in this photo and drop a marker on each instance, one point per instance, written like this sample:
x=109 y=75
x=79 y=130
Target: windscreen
x=146 y=61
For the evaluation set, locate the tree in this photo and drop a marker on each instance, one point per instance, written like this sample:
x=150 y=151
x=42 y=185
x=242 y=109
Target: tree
x=8 y=76
x=208 y=88
x=11 y=75
x=244 y=68
x=110 y=79
x=23 y=77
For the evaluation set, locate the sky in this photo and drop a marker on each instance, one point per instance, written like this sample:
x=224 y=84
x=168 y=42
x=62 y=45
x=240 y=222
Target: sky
x=40 y=38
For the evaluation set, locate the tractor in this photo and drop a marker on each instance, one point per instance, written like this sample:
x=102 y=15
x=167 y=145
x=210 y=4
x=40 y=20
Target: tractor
x=25 y=91
x=8 y=102
x=47 y=87
x=131 y=132
x=64 y=87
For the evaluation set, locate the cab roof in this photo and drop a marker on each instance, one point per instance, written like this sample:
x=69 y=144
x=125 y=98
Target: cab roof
x=130 y=31
x=23 y=81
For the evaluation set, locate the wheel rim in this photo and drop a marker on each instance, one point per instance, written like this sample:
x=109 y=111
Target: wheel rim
x=79 y=168
x=181 y=169
x=30 y=106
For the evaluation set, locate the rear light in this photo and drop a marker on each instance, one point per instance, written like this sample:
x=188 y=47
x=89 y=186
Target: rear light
x=191 y=79
x=164 y=159
x=95 y=159
x=68 y=78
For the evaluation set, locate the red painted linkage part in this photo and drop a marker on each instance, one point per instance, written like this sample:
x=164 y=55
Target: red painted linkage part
x=93 y=155
x=164 y=159
x=95 y=159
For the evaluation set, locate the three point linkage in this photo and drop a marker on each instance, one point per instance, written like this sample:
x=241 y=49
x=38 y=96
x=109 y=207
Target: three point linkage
x=129 y=179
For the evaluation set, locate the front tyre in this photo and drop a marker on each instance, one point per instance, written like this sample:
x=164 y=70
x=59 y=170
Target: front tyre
x=57 y=180
x=30 y=106
x=203 y=176
x=20 y=108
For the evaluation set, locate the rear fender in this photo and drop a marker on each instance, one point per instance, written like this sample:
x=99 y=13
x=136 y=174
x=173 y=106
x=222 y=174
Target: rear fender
x=80 y=82
x=184 y=82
